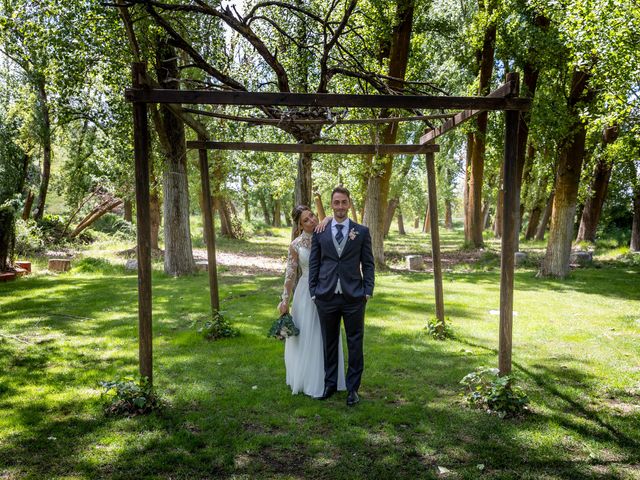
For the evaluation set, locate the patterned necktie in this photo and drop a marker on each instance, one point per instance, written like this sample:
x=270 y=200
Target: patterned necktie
x=339 y=235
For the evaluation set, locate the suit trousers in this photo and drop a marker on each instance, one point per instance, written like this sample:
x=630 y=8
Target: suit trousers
x=330 y=313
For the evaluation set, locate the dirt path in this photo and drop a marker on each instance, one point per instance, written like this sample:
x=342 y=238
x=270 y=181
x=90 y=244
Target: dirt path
x=241 y=264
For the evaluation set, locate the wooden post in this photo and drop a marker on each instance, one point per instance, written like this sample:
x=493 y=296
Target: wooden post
x=509 y=222
x=435 y=235
x=143 y=217
x=209 y=230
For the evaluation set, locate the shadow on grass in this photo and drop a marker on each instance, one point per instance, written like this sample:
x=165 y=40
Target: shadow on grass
x=219 y=426
x=622 y=284
x=554 y=382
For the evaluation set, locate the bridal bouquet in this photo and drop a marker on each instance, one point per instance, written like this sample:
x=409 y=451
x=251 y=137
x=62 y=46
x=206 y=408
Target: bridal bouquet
x=283 y=327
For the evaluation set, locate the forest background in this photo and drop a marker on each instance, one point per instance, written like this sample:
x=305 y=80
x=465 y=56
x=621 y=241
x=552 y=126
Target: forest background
x=66 y=150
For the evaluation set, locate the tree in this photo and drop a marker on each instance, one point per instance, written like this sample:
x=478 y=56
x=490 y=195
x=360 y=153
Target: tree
x=571 y=156
x=43 y=42
x=476 y=144
x=597 y=192
x=178 y=257
x=376 y=198
x=13 y=171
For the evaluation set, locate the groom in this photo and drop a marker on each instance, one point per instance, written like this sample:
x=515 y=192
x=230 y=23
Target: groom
x=341 y=277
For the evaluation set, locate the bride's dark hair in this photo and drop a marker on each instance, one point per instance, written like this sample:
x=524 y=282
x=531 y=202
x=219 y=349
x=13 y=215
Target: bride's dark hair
x=295 y=216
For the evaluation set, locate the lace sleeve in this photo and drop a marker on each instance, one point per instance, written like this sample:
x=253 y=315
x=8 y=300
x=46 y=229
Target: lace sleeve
x=291 y=273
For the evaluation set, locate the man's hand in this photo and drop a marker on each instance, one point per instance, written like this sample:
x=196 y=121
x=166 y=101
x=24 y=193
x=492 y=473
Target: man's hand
x=367 y=297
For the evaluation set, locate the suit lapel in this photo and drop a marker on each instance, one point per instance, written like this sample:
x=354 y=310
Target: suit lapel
x=328 y=233
x=352 y=226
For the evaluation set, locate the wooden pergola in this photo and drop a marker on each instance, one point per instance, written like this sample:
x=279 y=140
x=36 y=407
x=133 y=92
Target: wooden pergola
x=505 y=98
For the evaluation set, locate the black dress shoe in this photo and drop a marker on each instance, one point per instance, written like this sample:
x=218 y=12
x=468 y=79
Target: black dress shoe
x=328 y=393
x=352 y=398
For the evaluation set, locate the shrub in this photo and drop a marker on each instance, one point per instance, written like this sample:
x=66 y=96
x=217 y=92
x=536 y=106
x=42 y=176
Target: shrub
x=439 y=329
x=215 y=326
x=29 y=239
x=130 y=398
x=115 y=225
x=486 y=390
x=94 y=265
x=52 y=228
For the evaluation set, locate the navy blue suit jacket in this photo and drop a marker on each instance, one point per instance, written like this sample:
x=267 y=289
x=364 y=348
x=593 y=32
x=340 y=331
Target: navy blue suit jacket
x=355 y=269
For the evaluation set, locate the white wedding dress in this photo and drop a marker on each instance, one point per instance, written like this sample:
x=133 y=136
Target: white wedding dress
x=304 y=353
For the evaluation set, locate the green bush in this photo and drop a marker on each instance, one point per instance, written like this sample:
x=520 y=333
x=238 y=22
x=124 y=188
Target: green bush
x=486 y=390
x=130 y=398
x=215 y=326
x=52 y=229
x=440 y=330
x=115 y=225
x=29 y=239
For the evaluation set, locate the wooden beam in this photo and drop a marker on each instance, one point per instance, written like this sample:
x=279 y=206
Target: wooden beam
x=507 y=261
x=314 y=148
x=316 y=121
x=323 y=99
x=435 y=236
x=209 y=230
x=502 y=91
x=143 y=217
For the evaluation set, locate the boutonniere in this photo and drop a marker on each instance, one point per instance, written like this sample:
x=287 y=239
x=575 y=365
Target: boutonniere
x=353 y=234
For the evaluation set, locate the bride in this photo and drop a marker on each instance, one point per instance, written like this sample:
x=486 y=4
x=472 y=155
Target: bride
x=304 y=353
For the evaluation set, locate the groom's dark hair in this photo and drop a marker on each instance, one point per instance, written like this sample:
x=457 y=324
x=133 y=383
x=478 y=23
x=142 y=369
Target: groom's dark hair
x=341 y=189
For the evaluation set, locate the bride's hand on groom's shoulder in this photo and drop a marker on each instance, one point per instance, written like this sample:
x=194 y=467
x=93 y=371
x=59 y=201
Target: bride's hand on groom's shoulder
x=323 y=224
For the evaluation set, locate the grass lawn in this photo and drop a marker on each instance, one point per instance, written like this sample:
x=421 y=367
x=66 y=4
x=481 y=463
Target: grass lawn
x=230 y=414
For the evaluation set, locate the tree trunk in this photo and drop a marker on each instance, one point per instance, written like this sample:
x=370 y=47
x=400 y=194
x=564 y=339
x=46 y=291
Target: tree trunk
x=635 y=228
x=128 y=211
x=497 y=224
x=572 y=153
x=377 y=194
x=544 y=223
x=245 y=198
x=485 y=215
x=401 y=230
x=391 y=210
x=426 y=227
x=448 y=215
x=178 y=255
x=593 y=206
x=7 y=236
x=354 y=213
x=94 y=215
x=531 y=74
x=154 y=209
x=319 y=206
x=534 y=219
x=277 y=213
x=465 y=189
x=265 y=209
x=46 y=150
x=226 y=226
x=303 y=181
x=485 y=63
x=26 y=211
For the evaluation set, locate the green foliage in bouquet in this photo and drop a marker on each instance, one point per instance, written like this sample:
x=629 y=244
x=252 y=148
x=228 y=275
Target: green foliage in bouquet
x=439 y=329
x=215 y=326
x=485 y=389
x=129 y=398
x=283 y=327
